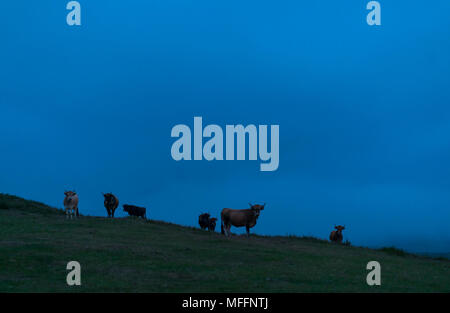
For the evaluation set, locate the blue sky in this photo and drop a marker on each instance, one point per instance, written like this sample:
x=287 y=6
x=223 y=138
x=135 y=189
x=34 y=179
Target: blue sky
x=364 y=112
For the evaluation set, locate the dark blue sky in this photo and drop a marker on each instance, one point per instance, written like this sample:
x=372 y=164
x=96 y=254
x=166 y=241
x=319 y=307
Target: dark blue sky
x=364 y=112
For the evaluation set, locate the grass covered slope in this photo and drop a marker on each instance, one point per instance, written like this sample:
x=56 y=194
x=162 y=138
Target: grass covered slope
x=131 y=255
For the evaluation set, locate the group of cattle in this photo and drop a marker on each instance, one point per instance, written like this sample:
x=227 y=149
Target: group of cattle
x=247 y=218
x=239 y=218
x=110 y=202
x=230 y=217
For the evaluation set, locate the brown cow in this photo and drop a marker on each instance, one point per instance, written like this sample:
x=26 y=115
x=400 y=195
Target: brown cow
x=336 y=235
x=111 y=203
x=240 y=218
x=71 y=204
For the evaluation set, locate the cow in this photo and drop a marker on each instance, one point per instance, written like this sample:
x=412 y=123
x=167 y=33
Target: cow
x=111 y=203
x=240 y=218
x=212 y=224
x=336 y=235
x=71 y=204
x=206 y=222
x=135 y=210
x=203 y=220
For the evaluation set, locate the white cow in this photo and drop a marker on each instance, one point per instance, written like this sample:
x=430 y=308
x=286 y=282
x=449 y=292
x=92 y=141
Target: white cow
x=71 y=204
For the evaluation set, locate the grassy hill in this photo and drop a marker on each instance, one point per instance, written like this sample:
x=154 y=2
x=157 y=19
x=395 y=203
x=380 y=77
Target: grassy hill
x=131 y=255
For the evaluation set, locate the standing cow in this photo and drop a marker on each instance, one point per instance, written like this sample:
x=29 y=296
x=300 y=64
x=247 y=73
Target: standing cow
x=336 y=235
x=71 y=204
x=135 y=211
x=203 y=220
x=240 y=218
x=111 y=203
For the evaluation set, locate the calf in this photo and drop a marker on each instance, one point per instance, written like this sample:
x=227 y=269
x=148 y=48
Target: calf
x=135 y=210
x=212 y=224
x=71 y=204
x=111 y=203
x=336 y=235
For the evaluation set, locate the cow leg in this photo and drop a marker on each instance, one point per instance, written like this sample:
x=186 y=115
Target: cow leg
x=67 y=213
x=248 y=230
x=228 y=230
x=225 y=229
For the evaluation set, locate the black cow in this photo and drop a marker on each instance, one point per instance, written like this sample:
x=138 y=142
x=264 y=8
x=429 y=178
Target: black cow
x=203 y=220
x=111 y=203
x=135 y=210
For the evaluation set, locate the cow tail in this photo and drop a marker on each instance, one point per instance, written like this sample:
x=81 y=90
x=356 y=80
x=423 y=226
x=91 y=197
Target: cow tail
x=221 y=226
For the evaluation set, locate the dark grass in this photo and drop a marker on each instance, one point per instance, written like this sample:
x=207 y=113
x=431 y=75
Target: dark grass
x=395 y=251
x=134 y=255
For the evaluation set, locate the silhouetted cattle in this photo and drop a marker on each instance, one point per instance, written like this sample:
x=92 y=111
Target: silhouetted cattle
x=111 y=203
x=135 y=210
x=71 y=204
x=203 y=220
x=206 y=222
x=240 y=218
x=212 y=224
x=336 y=235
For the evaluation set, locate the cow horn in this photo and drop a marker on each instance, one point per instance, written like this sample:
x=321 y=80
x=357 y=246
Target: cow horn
x=250 y=204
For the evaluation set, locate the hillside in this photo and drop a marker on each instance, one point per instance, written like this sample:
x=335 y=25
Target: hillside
x=132 y=255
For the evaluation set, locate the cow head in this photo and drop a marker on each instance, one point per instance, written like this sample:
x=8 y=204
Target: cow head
x=108 y=196
x=69 y=193
x=339 y=228
x=256 y=208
